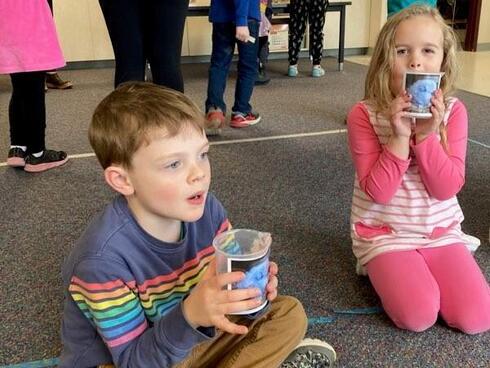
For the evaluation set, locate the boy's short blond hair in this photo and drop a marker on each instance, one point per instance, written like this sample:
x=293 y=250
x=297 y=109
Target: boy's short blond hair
x=124 y=119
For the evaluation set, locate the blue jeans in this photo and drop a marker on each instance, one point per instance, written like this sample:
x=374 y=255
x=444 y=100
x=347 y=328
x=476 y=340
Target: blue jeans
x=223 y=48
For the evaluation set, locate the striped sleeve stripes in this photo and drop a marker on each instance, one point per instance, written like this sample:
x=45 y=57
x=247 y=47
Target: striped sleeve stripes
x=112 y=307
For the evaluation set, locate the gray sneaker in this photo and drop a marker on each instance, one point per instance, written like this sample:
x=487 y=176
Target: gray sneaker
x=311 y=353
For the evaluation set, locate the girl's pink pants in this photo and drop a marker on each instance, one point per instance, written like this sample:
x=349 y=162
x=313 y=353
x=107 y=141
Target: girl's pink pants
x=416 y=285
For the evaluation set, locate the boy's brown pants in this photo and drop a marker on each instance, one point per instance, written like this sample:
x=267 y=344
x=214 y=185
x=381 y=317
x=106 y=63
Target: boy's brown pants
x=269 y=341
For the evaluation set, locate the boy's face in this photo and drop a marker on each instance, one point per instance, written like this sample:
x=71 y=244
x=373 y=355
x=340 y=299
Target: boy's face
x=419 y=48
x=170 y=178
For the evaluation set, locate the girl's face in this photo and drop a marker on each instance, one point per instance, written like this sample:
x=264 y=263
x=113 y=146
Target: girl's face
x=419 y=47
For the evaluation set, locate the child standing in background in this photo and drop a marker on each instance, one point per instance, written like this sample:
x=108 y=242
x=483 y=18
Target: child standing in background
x=406 y=220
x=28 y=48
x=234 y=23
x=301 y=12
x=264 y=30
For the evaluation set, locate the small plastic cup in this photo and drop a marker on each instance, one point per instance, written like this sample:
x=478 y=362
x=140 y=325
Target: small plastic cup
x=422 y=87
x=247 y=251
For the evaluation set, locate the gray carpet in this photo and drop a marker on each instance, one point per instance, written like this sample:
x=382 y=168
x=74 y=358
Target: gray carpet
x=297 y=188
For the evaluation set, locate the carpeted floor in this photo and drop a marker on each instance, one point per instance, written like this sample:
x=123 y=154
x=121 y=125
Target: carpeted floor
x=298 y=188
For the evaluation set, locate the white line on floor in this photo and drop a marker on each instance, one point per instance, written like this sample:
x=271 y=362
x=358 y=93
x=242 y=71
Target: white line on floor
x=235 y=141
x=260 y=139
x=480 y=143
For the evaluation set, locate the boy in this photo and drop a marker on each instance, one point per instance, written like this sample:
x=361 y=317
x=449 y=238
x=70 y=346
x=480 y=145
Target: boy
x=141 y=285
x=234 y=22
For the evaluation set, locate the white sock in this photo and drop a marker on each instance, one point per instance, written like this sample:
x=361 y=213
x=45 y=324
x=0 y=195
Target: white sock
x=38 y=154
x=23 y=148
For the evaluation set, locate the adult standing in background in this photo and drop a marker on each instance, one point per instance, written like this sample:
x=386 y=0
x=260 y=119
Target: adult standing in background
x=144 y=31
x=28 y=47
x=394 y=6
x=53 y=79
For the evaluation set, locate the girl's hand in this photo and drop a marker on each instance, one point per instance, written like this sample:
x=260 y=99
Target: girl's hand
x=401 y=124
x=425 y=127
x=271 y=288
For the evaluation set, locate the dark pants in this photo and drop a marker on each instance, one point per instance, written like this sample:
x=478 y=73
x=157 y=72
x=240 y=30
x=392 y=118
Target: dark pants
x=223 y=48
x=147 y=30
x=27 y=111
x=302 y=11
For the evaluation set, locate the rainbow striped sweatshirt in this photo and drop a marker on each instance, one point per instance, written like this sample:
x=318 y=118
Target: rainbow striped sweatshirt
x=124 y=290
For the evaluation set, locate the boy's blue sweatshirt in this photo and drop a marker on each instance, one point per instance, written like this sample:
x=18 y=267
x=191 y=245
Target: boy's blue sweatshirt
x=236 y=11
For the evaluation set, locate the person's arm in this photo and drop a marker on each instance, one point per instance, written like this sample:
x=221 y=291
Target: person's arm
x=443 y=173
x=107 y=296
x=379 y=171
x=241 y=12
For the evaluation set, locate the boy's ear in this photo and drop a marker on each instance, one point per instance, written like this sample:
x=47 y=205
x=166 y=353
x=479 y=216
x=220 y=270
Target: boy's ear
x=118 y=179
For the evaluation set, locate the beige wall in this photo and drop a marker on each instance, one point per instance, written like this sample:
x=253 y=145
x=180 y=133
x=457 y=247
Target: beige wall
x=484 y=31
x=83 y=34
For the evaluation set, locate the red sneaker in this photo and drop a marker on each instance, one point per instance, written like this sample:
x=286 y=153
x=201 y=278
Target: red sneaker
x=215 y=121
x=239 y=120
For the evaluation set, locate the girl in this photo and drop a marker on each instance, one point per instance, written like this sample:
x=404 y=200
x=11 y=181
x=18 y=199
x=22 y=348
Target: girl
x=28 y=47
x=406 y=220
x=314 y=12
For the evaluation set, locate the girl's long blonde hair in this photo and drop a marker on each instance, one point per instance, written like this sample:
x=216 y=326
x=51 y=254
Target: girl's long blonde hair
x=377 y=86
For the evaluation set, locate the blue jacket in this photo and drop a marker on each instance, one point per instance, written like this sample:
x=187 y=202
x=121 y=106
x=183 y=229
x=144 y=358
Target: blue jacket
x=236 y=11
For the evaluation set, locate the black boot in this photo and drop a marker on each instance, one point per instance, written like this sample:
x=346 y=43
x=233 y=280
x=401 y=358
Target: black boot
x=262 y=77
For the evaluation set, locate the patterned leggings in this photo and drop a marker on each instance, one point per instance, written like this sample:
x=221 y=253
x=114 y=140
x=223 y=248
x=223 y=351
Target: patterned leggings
x=300 y=12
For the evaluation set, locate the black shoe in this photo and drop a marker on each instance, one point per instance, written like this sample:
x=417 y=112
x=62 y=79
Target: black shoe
x=16 y=157
x=262 y=77
x=49 y=160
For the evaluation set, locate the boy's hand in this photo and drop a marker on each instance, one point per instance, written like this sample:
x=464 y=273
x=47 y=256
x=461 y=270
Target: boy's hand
x=208 y=303
x=426 y=127
x=271 y=288
x=242 y=33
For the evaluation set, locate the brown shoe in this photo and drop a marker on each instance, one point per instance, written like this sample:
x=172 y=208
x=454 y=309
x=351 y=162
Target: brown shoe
x=54 y=81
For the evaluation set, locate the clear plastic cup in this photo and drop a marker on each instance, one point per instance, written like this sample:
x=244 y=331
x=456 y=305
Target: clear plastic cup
x=422 y=87
x=247 y=251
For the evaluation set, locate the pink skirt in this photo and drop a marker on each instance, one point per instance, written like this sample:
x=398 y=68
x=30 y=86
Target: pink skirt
x=28 y=39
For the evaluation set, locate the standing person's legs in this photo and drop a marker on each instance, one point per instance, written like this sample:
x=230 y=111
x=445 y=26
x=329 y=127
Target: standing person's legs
x=408 y=291
x=27 y=111
x=465 y=294
x=316 y=14
x=269 y=341
x=164 y=30
x=124 y=23
x=223 y=48
x=27 y=115
x=297 y=26
x=247 y=70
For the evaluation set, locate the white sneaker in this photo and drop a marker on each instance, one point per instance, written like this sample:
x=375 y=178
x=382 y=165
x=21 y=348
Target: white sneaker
x=293 y=70
x=317 y=71
x=311 y=353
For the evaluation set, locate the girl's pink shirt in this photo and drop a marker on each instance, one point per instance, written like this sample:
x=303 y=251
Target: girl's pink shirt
x=28 y=40
x=380 y=172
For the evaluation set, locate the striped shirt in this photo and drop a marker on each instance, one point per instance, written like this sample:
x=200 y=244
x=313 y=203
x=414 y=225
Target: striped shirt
x=124 y=290
x=401 y=204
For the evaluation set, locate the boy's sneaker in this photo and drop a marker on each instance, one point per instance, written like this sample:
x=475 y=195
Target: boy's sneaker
x=215 y=121
x=49 y=159
x=311 y=353
x=16 y=157
x=239 y=120
x=292 y=70
x=317 y=71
